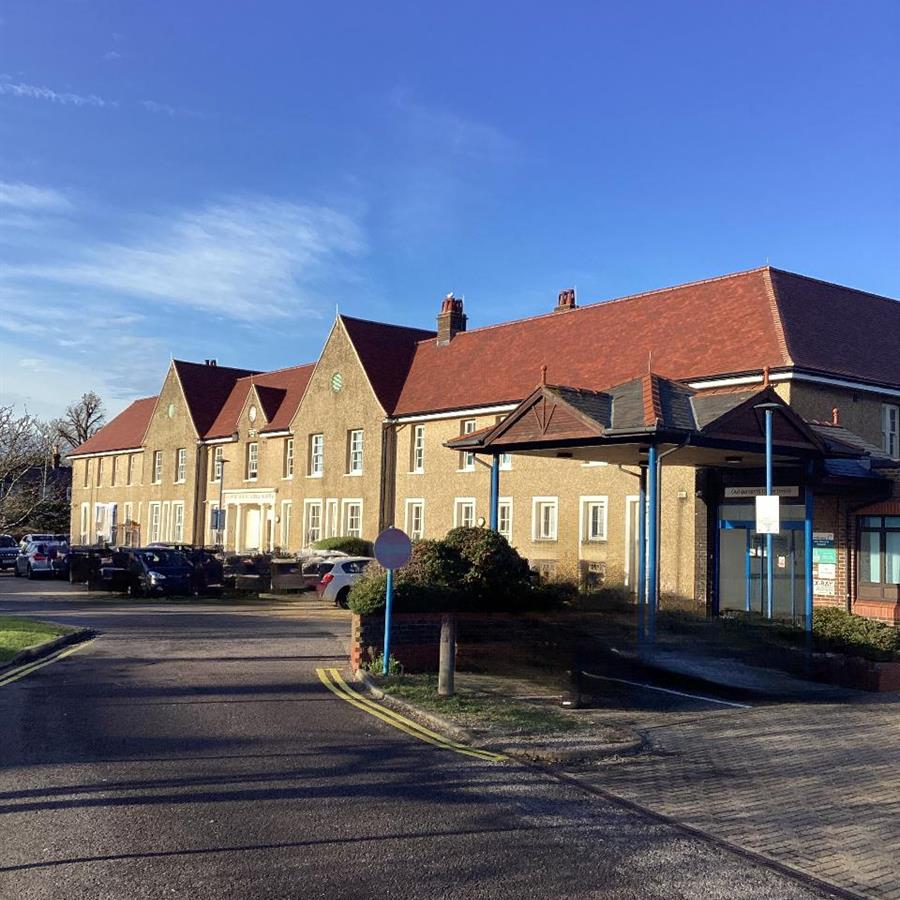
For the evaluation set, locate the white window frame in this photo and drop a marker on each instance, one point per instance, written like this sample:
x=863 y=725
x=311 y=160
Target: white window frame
x=252 y=461
x=217 y=467
x=417 y=457
x=890 y=429
x=166 y=521
x=632 y=510
x=505 y=503
x=84 y=535
x=355 y=451
x=346 y=507
x=287 y=508
x=460 y=503
x=312 y=534
x=467 y=457
x=505 y=458
x=538 y=522
x=130 y=468
x=411 y=505
x=316 y=455
x=178 y=522
x=214 y=532
x=157 y=467
x=288 y=458
x=154 y=517
x=332 y=517
x=180 y=465
x=585 y=517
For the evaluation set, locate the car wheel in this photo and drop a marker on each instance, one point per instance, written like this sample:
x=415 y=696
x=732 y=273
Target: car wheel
x=343 y=595
x=135 y=591
x=30 y=573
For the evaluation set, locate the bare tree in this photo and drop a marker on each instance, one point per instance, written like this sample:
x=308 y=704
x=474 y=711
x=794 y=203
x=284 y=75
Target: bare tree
x=28 y=482
x=81 y=420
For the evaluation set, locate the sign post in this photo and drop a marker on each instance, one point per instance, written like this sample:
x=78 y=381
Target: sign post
x=393 y=549
x=768 y=519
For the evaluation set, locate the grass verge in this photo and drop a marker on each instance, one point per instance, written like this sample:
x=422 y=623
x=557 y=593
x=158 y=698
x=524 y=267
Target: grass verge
x=475 y=710
x=17 y=634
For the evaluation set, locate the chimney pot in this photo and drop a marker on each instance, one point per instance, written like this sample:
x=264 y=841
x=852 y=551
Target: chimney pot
x=566 y=300
x=451 y=319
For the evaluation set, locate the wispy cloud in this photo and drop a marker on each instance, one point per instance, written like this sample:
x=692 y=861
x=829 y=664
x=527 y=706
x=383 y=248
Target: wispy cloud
x=165 y=109
x=112 y=55
x=29 y=197
x=64 y=98
x=241 y=258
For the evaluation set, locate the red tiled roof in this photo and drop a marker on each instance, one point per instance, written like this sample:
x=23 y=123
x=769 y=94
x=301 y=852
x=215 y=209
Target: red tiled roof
x=124 y=432
x=728 y=325
x=837 y=329
x=279 y=393
x=386 y=352
x=206 y=388
x=725 y=324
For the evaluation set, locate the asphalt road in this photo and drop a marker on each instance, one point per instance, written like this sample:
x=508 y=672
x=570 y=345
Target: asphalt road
x=191 y=751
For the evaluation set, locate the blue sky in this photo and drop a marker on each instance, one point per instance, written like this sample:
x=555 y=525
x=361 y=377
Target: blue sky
x=214 y=178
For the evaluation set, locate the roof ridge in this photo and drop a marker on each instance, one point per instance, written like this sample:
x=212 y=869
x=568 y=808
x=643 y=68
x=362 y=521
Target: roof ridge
x=597 y=303
x=429 y=331
x=775 y=309
x=200 y=365
x=284 y=369
x=843 y=287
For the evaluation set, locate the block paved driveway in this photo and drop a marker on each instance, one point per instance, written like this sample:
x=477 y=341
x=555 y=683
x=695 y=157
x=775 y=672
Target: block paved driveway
x=814 y=785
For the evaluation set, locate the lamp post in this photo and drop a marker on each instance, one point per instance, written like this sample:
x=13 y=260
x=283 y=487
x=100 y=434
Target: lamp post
x=220 y=517
x=769 y=409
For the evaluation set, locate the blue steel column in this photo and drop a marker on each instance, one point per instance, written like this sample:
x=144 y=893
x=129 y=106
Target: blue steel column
x=652 y=542
x=808 y=560
x=495 y=493
x=748 y=570
x=388 y=603
x=642 y=557
x=770 y=562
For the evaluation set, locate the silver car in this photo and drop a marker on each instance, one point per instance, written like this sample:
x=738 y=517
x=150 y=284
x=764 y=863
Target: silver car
x=335 y=582
x=42 y=558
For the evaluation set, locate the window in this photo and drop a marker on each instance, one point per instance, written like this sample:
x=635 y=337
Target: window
x=99 y=471
x=167 y=521
x=128 y=535
x=467 y=460
x=155 y=511
x=252 y=461
x=879 y=557
x=99 y=522
x=313 y=525
x=286 y=508
x=355 y=452
x=316 y=455
x=157 y=467
x=112 y=474
x=415 y=519
x=87 y=473
x=417 y=450
x=178 y=522
x=84 y=536
x=593 y=519
x=505 y=458
x=464 y=512
x=217 y=523
x=289 y=458
x=353 y=518
x=180 y=464
x=890 y=430
x=130 y=471
x=504 y=517
x=543 y=518
x=333 y=524
x=217 y=464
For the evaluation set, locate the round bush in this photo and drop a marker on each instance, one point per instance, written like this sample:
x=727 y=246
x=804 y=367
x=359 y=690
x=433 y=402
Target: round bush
x=496 y=576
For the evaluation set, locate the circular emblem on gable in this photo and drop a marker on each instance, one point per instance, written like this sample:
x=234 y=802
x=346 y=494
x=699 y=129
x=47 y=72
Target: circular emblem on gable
x=337 y=382
x=252 y=413
x=170 y=410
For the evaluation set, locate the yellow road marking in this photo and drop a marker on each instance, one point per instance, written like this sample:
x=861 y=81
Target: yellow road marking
x=28 y=668
x=332 y=679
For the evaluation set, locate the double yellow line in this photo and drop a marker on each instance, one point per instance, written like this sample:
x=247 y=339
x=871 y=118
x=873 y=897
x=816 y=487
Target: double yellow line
x=332 y=679
x=27 y=668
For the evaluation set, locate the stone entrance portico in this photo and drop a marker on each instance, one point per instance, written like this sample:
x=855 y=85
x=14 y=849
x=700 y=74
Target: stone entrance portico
x=249 y=519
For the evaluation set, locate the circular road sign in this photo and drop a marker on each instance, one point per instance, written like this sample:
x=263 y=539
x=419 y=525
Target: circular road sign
x=393 y=548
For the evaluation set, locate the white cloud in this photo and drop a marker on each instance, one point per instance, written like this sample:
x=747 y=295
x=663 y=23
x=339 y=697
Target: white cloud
x=243 y=258
x=32 y=198
x=36 y=92
x=167 y=110
x=113 y=55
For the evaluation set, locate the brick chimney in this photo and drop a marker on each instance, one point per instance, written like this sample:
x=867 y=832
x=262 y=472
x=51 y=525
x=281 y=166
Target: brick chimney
x=566 y=300
x=451 y=320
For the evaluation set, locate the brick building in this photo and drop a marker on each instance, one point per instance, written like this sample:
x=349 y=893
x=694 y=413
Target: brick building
x=359 y=440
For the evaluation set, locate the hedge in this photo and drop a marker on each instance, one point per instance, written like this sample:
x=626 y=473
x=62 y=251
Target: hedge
x=843 y=632
x=352 y=546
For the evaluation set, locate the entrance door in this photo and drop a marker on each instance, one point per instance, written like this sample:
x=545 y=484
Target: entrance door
x=252 y=526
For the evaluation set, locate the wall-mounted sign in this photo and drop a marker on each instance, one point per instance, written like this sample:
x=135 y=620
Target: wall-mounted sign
x=768 y=514
x=824 y=563
x=791 y=490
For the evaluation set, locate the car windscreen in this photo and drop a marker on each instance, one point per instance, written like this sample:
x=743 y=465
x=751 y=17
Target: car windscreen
x=164 y=559
x=7 y=541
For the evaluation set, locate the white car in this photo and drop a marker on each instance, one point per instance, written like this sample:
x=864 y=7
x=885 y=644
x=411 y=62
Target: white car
x=42 y=558
x=337 y=577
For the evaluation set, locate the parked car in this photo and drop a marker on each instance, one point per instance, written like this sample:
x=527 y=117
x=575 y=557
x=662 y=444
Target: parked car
x=154 y=570
x=338 y=576
x=208 y=576
x=42 y=558
x=9 y=550
x=46 y=538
